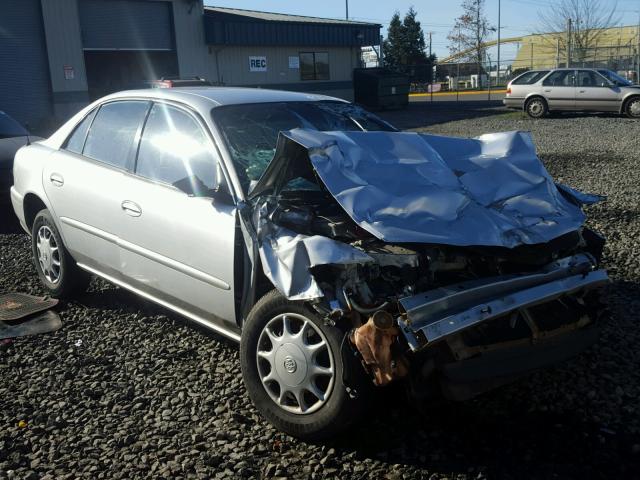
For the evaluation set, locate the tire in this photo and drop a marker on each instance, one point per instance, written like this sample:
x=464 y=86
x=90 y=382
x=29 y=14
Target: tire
x=56 y=269
x=324 y=418
x=632 y=108
x=536 y=107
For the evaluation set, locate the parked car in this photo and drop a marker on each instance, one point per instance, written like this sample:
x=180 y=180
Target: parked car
x=12 y=137
x=573 y=89
x=339 y=252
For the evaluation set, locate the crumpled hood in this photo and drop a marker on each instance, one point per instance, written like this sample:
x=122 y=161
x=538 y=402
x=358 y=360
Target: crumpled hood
x=411 y=187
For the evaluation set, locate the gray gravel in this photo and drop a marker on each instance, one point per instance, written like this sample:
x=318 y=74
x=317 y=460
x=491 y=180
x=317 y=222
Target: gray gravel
x=127 y=390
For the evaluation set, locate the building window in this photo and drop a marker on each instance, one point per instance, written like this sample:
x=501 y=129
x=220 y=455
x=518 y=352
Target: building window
x=314 y=66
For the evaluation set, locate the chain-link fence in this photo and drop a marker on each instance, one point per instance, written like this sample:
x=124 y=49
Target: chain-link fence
x=486 y=77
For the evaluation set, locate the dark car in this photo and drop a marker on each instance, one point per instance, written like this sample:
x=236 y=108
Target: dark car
x=12 y=137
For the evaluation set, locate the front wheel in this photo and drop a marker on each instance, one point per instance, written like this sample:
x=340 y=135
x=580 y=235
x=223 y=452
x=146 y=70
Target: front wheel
x=293 y=369
x=632 y=108
x=536 y=108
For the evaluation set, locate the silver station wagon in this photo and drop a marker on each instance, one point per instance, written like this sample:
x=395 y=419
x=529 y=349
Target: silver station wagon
x=340 y=253
x=539 y=92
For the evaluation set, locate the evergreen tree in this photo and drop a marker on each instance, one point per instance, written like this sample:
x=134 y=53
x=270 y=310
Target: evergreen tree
x=414 y=45
x=393 y=44
x=405 y=43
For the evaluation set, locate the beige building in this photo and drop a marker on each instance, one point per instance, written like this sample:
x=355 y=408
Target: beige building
x=57 y=55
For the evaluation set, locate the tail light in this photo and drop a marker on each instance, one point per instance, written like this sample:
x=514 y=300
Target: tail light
x=508 y=90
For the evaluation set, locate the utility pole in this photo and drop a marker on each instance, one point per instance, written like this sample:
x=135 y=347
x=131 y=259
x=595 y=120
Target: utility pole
x=568 y=42
x=431 y=66
x=346 y=4
x=498 y=66
x=637 y=82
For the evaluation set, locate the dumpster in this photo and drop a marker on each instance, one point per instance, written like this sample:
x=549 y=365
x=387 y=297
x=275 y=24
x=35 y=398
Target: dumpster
x=380 y=88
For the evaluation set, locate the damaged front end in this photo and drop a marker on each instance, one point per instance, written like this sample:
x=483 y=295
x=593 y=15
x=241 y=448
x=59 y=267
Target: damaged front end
x=456 y=260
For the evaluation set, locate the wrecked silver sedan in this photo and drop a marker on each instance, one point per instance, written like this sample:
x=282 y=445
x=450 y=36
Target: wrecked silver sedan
x=342 y=254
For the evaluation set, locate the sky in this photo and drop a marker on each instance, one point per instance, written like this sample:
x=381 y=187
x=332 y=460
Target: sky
x=518 y=17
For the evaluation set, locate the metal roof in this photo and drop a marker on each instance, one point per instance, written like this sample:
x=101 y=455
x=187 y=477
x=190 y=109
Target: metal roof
x=233 y=26
x=222 y=95
x=283 y=17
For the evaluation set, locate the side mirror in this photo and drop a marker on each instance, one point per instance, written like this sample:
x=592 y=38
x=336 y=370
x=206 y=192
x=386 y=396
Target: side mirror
x=222 y=195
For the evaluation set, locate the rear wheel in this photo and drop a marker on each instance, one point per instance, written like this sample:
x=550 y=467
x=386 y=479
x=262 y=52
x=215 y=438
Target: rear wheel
x=536 y=107
x=56 y=269
x=632 y=108
x=293 y=369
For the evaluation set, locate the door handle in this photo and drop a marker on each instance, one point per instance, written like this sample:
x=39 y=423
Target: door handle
x=547 y=90
x=56 y=179
x=131 y=208
x=581 y=91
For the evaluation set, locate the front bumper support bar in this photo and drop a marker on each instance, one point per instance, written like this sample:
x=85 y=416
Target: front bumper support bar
x=438 y=313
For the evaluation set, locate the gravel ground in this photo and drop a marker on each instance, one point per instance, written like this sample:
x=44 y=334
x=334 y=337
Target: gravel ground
x=127 y=390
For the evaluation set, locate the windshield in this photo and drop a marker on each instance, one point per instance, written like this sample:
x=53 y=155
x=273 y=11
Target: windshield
x=615 y=78
x=251 y=130
x=10 y=128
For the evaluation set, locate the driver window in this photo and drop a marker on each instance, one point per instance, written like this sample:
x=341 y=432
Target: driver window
x=587 y=78
x=175 y=150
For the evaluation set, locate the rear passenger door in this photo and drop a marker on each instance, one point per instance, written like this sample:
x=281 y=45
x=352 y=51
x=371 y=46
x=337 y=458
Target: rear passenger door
x=83 y=180
x=177 y=242
x=559 y=90
x=595 y=93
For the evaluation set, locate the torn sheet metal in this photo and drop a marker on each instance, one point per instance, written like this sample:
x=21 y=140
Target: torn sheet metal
x=410 y=187
x=287 y=258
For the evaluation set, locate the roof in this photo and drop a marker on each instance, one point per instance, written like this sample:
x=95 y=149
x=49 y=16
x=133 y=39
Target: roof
x=201 y=99
x=233 y=26
x=223 y=95
x=283 y=17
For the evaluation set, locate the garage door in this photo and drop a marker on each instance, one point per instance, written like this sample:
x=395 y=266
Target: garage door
x=126 y=25
x=24 y=66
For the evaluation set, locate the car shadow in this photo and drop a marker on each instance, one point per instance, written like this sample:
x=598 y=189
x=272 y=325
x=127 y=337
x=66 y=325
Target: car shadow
x=423 y=114
x=8 y=221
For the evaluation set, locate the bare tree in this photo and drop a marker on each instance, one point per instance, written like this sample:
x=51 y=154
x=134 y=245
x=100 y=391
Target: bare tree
x=589 y=20
x=470 y=32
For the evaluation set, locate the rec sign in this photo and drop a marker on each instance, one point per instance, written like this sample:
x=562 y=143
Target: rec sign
x=257 y=64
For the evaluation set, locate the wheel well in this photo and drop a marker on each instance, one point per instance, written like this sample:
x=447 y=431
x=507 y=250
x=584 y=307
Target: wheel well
x=32 y=205
x=533 y=97
x=626 y=102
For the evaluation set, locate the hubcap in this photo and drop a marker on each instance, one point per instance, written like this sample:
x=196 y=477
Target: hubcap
x=295 y=363
x=48 y=254
x=535 y=108
x=634 y=108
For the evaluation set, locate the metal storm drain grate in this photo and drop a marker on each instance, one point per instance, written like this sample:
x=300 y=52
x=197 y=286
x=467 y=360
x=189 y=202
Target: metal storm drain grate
x=14 y=306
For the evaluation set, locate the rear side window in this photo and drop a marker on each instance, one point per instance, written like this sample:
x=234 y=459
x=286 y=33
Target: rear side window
x=530 y=78
x=560 y=78
x=112 y=135
x=75 y=142
x=175 y=150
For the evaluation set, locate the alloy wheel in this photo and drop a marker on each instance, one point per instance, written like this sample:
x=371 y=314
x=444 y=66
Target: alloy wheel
x=48 y=254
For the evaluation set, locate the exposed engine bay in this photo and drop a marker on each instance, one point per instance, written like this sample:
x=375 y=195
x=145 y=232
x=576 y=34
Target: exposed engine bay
x=418 y=307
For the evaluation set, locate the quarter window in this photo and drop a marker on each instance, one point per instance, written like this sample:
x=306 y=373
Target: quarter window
x=175 y=150
x=112 y=137
x=314 y=66
x=75 y=142
x=529 y=78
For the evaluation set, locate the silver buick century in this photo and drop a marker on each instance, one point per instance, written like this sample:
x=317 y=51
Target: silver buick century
x=340 y=253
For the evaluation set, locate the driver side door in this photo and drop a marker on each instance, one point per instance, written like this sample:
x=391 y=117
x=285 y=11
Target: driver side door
x=177 y=242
